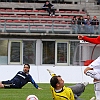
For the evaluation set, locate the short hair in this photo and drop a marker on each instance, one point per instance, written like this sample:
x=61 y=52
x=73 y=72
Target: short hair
x=54 y=81
x=27 y=65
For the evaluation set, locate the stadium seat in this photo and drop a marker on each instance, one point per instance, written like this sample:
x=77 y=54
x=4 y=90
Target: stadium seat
x=2 y=10
x=35 y=10
x=24 y=21
x=2 y=21
x=62 y=11
x=68 y=11
x=16 y=21
x=12 y=15
x=42 y=11
x=22 y=10
x=32 y=16
x=36 y=21
x=19 y=16
x=59 y=16
x=6 y=15
x=29 y=10
x=39 y=16
x=43 y=21
x=75 y=11
x=8 y=10
x=9 y=21
x=26 y=16
x=15 y=10
x=63 y=22
x=49 y=21
x=65 y=16
x=46 y=16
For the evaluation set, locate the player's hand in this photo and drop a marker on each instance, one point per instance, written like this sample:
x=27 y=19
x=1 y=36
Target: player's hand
x=40 y=88
x=80 y=37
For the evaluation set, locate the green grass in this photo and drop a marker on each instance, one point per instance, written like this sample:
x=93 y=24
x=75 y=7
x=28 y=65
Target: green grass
x=45 y=94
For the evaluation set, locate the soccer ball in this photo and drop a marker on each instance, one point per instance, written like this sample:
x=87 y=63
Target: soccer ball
x=32 y=97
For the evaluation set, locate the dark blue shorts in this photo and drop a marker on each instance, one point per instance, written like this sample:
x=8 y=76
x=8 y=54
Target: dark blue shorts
x=10 y=84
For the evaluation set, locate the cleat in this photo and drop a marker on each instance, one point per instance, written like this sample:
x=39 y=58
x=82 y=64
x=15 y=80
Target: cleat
x=85 y=83
x=51 y=72
x=93 y=98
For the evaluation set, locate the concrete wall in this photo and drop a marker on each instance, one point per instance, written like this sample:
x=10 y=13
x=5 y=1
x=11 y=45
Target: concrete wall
x=70 y=74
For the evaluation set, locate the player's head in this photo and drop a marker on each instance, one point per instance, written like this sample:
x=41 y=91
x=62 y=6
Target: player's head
x=26 y=68
x=57 y=82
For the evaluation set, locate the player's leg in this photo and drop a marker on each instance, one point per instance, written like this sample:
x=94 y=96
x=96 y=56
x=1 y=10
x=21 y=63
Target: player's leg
x=1 y=85
x=8 y=84
x=79 y=88
x=51 y=72
x=97 y=90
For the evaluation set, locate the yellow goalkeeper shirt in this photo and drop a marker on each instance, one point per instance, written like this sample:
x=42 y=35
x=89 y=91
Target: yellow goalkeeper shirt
x=65 y=94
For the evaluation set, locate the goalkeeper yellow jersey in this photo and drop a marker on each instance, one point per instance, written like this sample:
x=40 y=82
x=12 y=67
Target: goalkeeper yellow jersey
x=65 y=94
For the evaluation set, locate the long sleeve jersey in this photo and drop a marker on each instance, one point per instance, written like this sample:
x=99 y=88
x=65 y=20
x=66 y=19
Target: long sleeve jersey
x=65 y=94
x=22 y=78
x=92 y=40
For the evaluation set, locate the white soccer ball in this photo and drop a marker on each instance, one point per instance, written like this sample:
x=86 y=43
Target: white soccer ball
x=32 y=97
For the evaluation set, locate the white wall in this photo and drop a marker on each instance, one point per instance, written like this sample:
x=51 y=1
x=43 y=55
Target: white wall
x=70 y=74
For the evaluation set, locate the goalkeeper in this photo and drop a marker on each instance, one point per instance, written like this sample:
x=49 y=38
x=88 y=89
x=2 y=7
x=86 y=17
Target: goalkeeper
x=60 y=92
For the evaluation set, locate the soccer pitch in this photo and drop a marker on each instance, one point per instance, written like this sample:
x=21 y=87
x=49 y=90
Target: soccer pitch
x=45 y=94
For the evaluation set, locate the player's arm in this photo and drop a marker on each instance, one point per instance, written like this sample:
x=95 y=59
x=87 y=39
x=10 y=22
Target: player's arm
x=86 y=69
x=33 y=82
x=88 y=39
x=51 y=72
x=72 y=95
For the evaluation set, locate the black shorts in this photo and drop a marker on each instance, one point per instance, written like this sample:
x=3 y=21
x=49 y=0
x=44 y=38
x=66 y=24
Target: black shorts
x=9 y=84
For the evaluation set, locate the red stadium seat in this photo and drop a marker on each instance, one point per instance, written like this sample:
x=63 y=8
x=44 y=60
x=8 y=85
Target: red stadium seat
x=40 y=27
x=32 y=16
x=19 y=15
x=36 y=21
x=16 y=21
x=15 y=10
x=24 y=21
x=59 y=16
x=35 y=10
x=65 y=16
x=29 y=10
x=14 y=26
x=62 y=11
x=57 y=22
x=68 y=11
x=63 y=22
x=49 y=21
x=33 y=27
x=2 y=20
x=22 y=10
x=43 y=21
x=42 y=11
x=75 y=11
x=6 y=15
x=46 y=16
x=12 y=15
x=8 y=10
x=9 y=21
x=39 y=16
x=47 y=27
x=26 y=16
x=3 y=10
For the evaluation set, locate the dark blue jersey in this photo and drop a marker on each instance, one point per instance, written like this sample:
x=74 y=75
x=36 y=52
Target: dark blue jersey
x=22 y=78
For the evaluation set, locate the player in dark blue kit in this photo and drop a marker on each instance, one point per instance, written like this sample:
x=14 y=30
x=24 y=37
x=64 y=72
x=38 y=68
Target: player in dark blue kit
x=20 y=79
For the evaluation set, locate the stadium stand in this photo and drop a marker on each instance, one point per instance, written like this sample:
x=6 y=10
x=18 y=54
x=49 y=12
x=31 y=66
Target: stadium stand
x=30 y=17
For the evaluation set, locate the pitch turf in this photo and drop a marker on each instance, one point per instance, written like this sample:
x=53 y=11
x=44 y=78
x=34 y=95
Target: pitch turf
x=45 y=94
